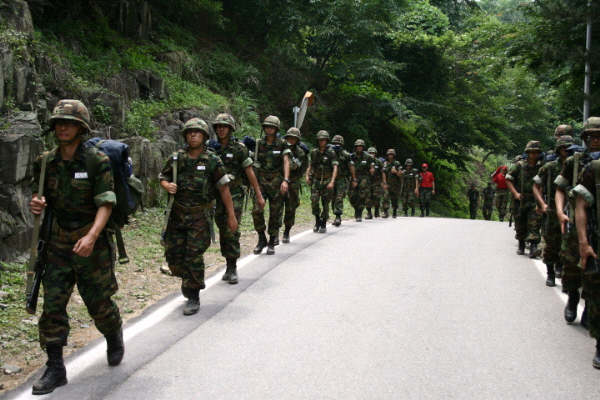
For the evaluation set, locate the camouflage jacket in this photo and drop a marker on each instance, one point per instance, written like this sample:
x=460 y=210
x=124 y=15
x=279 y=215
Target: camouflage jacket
x=376 y=176
x=391 y=178
x=322 y=163
x=488 y=195
x=236 y=159
x=197 y=179
x=565 y=179
x=362 y=163
x=548 y=173
x=269 y=157
x=345 y=162
x=409 y=178
x=72 y=196
x=522 y=170
x=298 y=163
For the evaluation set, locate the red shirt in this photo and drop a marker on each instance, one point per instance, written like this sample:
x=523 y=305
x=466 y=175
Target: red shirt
x=426 y=179
x=500 y=181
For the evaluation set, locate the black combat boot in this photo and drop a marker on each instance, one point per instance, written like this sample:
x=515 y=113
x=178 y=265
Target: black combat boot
x=193 y=304
x=395 y=212
x=412 y=213
x=534 y=252
x=558 y=269
x=286 y=234
x=596 y=360
x=571 y=308
x=338 y=220
x=115 y=348
x=422 y=213
x=271 y=245
x=262 y=243
x=502 y=218
x=369 y=214
x=427 y=211
x=323 y=227
x=406 y=213
x=551 y=275
x=317 y=224
x=358 y=215
x=55 y=374
x=585 y=321
x=385 y=213
x=521 y=249
x=376 y=211
x=277 y=239
x=231 y=271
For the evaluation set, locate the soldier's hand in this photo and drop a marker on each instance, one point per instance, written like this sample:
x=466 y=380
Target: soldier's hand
x=260 y=201
x=284 y=187
x=354 y=184
x=36 y=206
x=308 y=180
x=586 y=251
x=518 y=197
x=172 y=188
x=232 y=223
x=544 y=208
x=563 y=220
x=85 y=245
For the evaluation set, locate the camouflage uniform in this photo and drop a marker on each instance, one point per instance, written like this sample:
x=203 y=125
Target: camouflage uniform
x=488 y=201
x=358 y=196
x=394 y=184
x=408 y=190
x=298 y=164
x=374 y=200
x=342 y=181
x=473 y=195
x=188 y=234
x=75 y=200
x=268 y=167
x=321 y=169
x=552 y=233
x=501 y=202
x=236 y=159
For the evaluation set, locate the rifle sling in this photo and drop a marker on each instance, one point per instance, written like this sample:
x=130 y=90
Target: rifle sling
x=171 y=196
x=596 y=166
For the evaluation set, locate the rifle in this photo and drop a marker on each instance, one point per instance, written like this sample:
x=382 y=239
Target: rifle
x=163 y=235
x=591 y=265
x=210 y=216
x=32 y=292
x=512 y=211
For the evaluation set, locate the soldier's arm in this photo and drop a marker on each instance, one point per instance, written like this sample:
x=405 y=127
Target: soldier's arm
x=286 y=174
x=581 y=219
x=537 y=193
x=228 y=203
x=260 y=201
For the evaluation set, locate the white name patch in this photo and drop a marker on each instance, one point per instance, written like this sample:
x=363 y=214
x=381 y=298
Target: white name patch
x=229 y=155
x=81 y=175
x=276 y=151
x=201 y=167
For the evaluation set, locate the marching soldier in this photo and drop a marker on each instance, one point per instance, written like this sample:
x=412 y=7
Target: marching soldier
x=488 y=201
x=410 y=187
x=393 y=174
x=473 y=196
x=378 y=185
x=298 y=164
x=346 y=173
x=363 y=166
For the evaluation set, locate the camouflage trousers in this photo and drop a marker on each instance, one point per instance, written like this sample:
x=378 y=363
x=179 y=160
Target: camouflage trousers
x=502 y=197
x=528 y=222
x=408 y=200
x=230 y=241
x=488 y=209
x=188 y=237
x=591 y=294
x=319 y=192
x=291 y=202
x=270 y=186
x=424 y=197
x=359 y=194
x=339 y=192
x=569 y=254
x=391 y=196
x=95 y=279
x=376 y=194
x=473 y=206
x=552 y=238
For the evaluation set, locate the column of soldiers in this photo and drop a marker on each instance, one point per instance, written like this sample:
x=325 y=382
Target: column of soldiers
x=557 y=200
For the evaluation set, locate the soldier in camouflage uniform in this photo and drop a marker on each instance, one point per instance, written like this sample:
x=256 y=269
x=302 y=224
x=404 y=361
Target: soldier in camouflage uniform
x=393 y=177
x=410 y=187
x=320 y=175
x=488 y=201
x=200 y=175
x=346 y=174
x=298 y=165
x=378 y=185
x=569 y=252
x=80 y=250
x=473 y=196
x=272 y=167
x=363 y=167
x=238 y=165
x=520 y=183
x=544 y=190
x=586 y=197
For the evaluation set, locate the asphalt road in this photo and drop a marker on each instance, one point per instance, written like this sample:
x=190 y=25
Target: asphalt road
x=407 y=308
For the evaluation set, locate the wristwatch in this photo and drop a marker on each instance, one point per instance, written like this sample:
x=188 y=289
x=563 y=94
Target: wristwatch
x=287 y=180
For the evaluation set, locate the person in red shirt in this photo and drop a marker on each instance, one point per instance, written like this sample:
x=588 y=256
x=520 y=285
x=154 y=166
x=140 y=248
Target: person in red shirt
x=426 y=189
x=502 y=193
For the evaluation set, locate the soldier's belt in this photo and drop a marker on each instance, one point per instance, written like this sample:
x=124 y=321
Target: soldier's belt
x=72 y=236
x=270 y=174
x=324 y=175
x=191 y=210
x=70 y=226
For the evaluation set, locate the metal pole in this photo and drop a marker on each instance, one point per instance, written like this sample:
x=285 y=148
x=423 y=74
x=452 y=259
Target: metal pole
x=588 y=68
x=296 y=110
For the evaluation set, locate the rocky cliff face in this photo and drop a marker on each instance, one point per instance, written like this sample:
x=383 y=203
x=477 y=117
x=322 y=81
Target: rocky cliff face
x=25 y=105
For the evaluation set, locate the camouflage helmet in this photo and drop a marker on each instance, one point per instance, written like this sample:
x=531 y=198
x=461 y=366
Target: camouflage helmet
x=592 y=125
x=563 y=141
x=322 y=135
x=408 y=162
x=563 y=130
x=338 y=139
x=271 y=120
x=195 y=123
x=391 y=151
x=293 y=132
x=372 y=150
x=533 y=145
x=73 y=110
x=359 y=142
x=224 y=119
